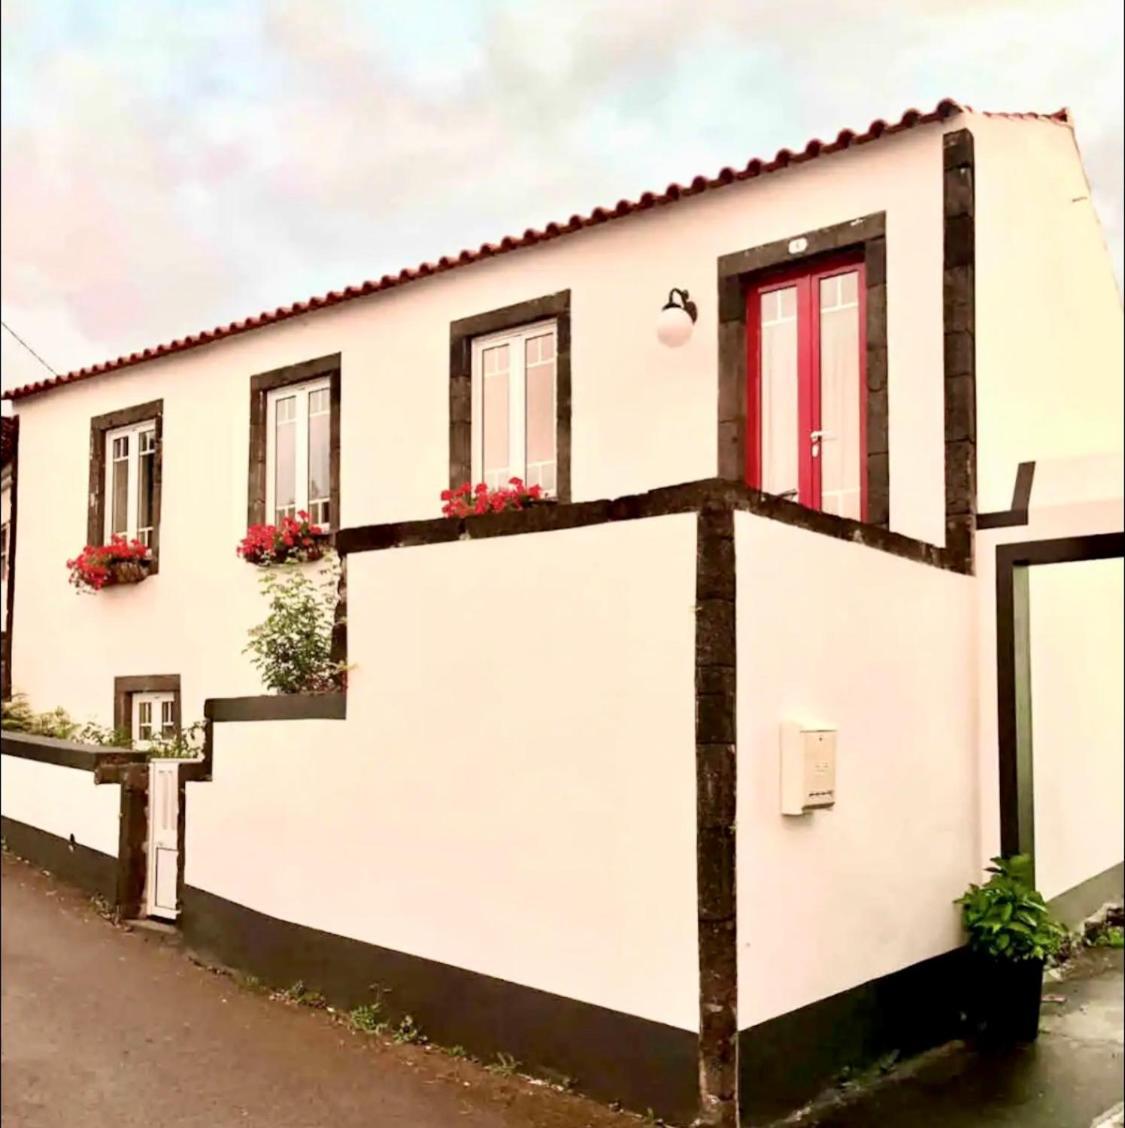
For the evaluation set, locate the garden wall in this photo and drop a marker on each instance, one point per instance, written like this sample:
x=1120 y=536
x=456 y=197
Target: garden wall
x=502 y=832
x=842 y=911
x=55 y=816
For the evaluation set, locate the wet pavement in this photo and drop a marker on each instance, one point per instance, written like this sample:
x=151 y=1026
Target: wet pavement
x=1070 y=1078
x=104 y=1027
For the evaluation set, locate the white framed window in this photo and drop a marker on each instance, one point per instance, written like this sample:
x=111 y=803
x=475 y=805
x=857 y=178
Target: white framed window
x=154 y=718
x=298 y=452
x=514 y=414
x=130 y=485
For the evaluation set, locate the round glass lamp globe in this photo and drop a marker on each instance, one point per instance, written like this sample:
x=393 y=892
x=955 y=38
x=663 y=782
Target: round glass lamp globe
x=673 y=326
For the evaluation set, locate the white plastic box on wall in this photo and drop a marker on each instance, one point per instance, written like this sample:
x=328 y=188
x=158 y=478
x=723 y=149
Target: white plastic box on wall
x=808 y=768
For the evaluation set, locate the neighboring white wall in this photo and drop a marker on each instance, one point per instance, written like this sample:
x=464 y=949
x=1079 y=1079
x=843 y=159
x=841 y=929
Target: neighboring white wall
x=643 y=415
x=513 y=791
x=880 y=649
x=61 y=801
x=1070 y=498
x=1049 y=322
x=1078 y=720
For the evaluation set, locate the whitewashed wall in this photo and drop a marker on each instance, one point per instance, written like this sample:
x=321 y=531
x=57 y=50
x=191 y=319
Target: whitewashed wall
x=61 y=801
x=881 y=649
x=1078 y=720
x=1049 y=325
x=643 y=415
x=513 y=791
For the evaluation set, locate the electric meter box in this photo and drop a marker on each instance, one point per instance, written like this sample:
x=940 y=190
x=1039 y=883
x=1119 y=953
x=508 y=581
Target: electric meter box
x=808 y=768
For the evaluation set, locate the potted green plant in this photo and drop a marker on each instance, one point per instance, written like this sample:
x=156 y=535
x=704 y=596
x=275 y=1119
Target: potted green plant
x=1011 y=935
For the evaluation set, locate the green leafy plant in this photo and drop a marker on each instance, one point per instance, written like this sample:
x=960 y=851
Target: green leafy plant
x=292 y=649
x=407 y=1033
x=366 y=1018
x=18 y=716
x=1006 y=918
x=505 y=1065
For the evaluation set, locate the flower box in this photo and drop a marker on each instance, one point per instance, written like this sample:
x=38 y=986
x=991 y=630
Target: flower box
x=109 y=565
x=468 y=500
x=295 y=539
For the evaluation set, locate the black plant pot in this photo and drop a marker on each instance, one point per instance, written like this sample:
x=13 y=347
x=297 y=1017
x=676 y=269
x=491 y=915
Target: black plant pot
x=1008 y=995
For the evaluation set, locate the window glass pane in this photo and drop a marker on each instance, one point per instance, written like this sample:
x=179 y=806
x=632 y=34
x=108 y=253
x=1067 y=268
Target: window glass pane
x=779 y=392
x=167 y=718
x=840 y=396
x=119 y=489
x=495 y=391
x=285 y=457
x=146 y=485
x=144 y=720
x=319 y=429
x=540 y=412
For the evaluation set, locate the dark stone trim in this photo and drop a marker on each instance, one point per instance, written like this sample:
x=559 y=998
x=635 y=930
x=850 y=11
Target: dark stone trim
x=461 y=335
x=610 y=1055
x=786 y=1061
x=959 y=329
x=1013 y=683
x=125 y=687
x=277 y=707
x=66 y=753
x=1021 y=501
x=715 y=792
x=691 y=497
x=83 y=866
x=10 y=593
x=1083 y=900
x=737 y=272
x=260 y=386
x=100 y=425
x=132 y=841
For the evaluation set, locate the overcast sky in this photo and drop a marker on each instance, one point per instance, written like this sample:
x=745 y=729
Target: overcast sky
x=171 y=166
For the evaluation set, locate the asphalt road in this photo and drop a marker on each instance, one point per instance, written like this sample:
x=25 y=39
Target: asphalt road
x=105 y=1028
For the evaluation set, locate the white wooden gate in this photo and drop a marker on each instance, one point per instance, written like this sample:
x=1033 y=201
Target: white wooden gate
x=163 y=837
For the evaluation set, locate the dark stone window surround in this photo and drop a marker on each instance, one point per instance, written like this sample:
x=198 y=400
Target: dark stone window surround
x=737 y=272
x=260 y=386
x=125 y=687
x=959 y=347
x=461 y=335
x=100 y=426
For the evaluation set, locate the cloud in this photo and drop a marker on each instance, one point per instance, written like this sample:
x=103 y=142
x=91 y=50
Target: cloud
x=162 y=173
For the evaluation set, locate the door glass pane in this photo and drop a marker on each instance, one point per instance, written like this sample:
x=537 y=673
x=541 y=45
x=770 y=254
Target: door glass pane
x=285 y=458
x=840 y=396
x=540 y=411
x=780 y=461
x=119 y=514
x=495 y=391
x=146 y=484
x=319 y=434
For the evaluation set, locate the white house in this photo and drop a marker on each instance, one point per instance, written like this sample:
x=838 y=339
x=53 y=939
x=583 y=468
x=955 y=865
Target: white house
x=550 y=817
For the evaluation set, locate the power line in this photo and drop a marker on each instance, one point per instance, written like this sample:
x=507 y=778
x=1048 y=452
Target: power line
x=29 y=348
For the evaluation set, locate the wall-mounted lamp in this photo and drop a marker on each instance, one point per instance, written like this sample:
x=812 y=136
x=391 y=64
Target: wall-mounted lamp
x=676 y=319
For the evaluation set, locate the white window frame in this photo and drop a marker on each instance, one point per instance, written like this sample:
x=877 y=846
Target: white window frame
x=133 y=432
x=516 y=340
x=301 y=392
x=162 y=706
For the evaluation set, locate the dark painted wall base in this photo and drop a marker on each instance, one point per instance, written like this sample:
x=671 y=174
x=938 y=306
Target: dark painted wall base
x=785 y=1062
x=607 y=1054
x=83 y=866
x=1076 y=904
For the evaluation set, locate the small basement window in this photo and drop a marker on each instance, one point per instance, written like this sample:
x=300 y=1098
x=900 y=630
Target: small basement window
x=514 y=413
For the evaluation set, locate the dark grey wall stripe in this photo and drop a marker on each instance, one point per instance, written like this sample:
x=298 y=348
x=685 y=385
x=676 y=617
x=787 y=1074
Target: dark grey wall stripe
x=64 y=753
x=608 y=1054
x=277 y=707
x=1021 y=501
x=716 y=789
x=83 y=866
